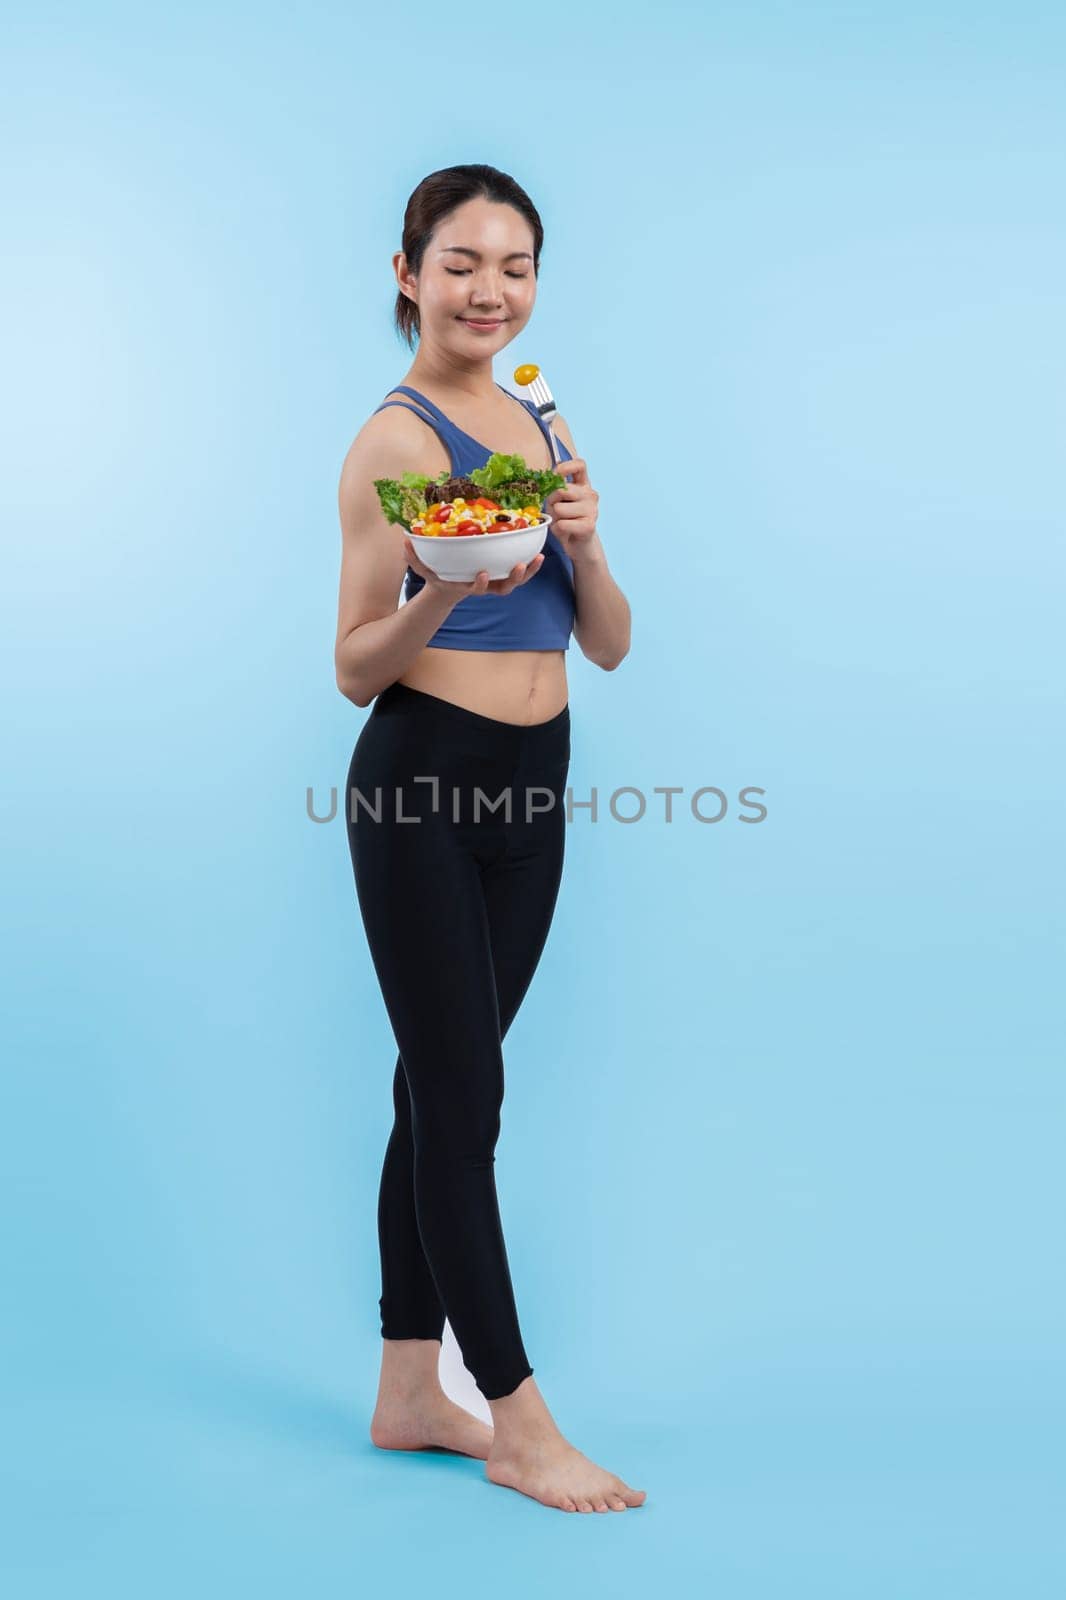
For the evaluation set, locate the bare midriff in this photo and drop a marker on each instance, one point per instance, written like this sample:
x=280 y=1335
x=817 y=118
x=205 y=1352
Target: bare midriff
x=521 y=686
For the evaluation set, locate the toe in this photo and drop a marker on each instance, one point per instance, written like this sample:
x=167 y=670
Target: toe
x=617 y=1503
x=584 y=1505
x=599 y=1505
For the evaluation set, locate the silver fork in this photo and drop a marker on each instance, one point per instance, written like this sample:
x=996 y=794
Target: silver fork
x=544 y=402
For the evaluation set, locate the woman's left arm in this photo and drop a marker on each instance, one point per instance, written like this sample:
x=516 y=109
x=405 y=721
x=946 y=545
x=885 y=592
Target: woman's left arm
x=602 y=616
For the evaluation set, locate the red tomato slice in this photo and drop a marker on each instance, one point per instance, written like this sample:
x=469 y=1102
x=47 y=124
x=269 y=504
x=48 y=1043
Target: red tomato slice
x=468 y=527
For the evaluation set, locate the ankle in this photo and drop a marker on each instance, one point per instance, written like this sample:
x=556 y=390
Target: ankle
x=521 y=1413
x=410 y=1369
x=409 y=1393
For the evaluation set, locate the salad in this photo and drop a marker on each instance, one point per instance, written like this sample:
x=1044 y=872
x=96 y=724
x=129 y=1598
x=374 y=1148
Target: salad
x=502 y=495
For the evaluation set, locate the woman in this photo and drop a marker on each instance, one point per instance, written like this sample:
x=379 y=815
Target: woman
x=470 y=699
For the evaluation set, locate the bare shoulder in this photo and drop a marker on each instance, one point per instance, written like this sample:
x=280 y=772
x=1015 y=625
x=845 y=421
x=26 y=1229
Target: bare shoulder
x=391 y=442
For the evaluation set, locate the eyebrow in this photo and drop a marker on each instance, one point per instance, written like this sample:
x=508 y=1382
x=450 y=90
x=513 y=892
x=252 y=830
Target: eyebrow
x=464 y=250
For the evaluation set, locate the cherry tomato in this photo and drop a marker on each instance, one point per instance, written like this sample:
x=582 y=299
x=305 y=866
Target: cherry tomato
x=520 y=522
x=468 y=527
x=487 y=505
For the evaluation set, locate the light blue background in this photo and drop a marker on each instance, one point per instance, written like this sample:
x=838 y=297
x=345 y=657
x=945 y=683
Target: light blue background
x=781 y=1157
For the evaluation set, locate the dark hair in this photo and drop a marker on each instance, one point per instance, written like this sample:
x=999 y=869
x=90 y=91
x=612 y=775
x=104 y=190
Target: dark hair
x=436 y=197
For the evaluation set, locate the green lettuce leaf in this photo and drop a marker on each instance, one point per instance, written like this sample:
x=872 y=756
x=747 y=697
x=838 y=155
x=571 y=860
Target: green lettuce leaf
x=508 y=480
x=403 y=499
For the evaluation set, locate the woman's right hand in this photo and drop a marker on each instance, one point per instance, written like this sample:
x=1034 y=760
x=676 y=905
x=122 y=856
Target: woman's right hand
x=455 y=589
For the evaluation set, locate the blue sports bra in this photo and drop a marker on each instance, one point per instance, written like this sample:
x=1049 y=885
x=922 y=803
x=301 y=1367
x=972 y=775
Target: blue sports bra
x=539 y=614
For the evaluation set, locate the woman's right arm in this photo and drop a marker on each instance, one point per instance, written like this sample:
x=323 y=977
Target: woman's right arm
x=377 y=638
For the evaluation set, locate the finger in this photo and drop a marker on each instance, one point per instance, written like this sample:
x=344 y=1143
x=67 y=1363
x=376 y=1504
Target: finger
x=532 y=568
x=518 y=574
x=513 y=578
x=574 y=470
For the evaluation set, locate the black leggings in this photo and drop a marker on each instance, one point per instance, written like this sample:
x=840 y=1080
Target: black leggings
x=457 y=905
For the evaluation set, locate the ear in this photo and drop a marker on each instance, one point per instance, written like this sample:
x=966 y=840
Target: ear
x=402 y=271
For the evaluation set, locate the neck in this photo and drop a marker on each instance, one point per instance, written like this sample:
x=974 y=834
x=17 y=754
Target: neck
x=435 y=367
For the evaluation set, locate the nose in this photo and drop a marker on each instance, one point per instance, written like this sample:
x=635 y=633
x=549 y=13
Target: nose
x=487 y=292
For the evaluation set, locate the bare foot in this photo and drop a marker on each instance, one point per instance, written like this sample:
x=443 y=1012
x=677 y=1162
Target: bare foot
x=427 y=1422
x=528 y=1453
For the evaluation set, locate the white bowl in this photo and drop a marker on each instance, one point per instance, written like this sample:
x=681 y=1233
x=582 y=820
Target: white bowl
x=460 y=557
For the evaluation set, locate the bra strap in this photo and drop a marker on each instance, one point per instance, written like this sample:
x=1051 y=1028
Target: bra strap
x=403 y=388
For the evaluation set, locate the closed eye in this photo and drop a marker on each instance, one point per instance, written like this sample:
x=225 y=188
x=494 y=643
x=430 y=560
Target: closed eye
x=461 y=272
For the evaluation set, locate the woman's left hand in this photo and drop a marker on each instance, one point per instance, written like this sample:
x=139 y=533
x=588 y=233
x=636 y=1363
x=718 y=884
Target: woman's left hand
x=574 y=509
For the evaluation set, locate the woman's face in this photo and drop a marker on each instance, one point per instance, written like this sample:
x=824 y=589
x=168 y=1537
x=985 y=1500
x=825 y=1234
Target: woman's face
x=477 y=266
